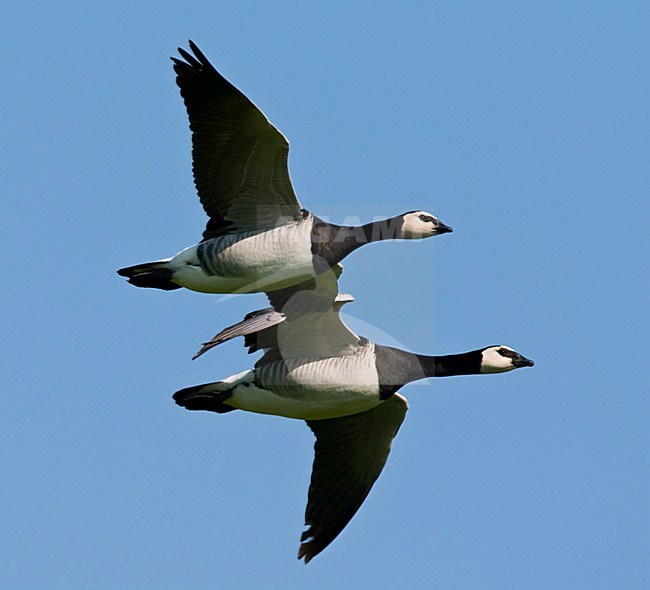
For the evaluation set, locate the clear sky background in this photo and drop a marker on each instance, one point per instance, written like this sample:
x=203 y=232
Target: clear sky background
x=524 y=125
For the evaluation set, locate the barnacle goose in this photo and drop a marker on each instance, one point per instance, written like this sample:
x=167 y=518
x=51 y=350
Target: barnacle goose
x=258 y=236
x=315 y=369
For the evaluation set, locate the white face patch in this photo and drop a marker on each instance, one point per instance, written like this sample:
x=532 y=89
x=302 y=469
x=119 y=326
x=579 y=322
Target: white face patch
x=494 y=362
x=419 y=224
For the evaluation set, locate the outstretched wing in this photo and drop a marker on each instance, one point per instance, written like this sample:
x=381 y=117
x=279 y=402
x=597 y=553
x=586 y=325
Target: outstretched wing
x=239 y=158
x=313 y=327
x=350 y=453
x=304 y=322
x=259 y=328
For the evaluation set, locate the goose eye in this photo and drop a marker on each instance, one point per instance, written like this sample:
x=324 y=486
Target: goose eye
x=426 y=218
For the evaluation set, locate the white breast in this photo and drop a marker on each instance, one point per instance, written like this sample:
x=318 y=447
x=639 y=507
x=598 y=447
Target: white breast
x=313 y=389
x=247 y=262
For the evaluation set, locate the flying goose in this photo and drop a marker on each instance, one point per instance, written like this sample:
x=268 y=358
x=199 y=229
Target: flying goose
x=258 y=236
x=315 y=368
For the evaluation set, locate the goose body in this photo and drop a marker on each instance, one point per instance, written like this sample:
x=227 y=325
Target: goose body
x=258 y=236
x=315 y=369
x=332 y=387
x=305 y=389
x=247 y=262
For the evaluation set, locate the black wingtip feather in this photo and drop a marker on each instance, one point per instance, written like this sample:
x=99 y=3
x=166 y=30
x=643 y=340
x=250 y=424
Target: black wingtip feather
x=188 y=57
x=307 y=552
x=196 y=50
x=198 y=60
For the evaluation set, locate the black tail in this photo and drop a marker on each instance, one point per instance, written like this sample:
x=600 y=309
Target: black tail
x=200 y=397
x=152 y=275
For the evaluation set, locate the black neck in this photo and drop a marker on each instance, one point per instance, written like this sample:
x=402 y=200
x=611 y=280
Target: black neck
x=375 y=231
x=397 y=367
x=466 y=363
x=334 y=242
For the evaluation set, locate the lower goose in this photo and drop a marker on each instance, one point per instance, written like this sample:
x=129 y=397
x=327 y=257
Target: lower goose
x=345 y=386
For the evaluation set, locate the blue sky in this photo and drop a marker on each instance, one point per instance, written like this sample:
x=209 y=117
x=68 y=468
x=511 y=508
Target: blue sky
x=523 y=126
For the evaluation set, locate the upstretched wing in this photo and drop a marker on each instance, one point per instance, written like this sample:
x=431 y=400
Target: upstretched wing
x=350 y=453
x=313 y=327
x=304 y=322
x=259 y=328
x=239 y=158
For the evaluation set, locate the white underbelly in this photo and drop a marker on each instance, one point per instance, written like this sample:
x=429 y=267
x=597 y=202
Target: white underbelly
x=305 y=407
x=247 y=263
x=193 y=277
x=312 y=390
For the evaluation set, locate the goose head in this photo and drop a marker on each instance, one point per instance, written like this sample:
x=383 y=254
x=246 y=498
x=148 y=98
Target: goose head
x=420 y=224
x=499 y=359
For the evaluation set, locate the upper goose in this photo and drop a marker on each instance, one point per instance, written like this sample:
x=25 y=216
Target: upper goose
x=345 y=386
x=258 y=236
